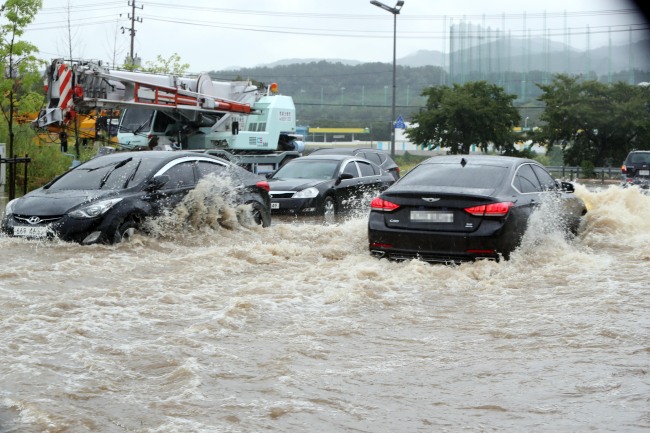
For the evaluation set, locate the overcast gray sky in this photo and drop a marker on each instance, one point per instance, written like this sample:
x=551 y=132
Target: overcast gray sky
x=217 y=34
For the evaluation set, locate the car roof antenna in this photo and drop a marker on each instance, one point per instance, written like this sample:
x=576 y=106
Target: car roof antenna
x=463 y=162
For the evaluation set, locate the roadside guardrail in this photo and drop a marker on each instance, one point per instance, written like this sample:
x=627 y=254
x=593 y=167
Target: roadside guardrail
x=573 y=172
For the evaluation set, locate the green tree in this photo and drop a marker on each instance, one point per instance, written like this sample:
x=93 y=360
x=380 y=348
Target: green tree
x=592 y=121
x=19 y=64
x=170 y=65
x=458 y=117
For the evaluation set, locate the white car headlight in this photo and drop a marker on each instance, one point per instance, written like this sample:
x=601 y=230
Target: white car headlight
x=10 y=206
x=306 y=193
x=95 y=209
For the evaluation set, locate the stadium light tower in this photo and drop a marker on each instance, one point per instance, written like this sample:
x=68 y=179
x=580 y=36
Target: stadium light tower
x=395 y=11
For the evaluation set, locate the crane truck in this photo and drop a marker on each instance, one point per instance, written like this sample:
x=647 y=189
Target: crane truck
x=236 y=120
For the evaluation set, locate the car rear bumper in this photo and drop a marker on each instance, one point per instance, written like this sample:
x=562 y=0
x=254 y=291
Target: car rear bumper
x=642 y=182
x=492 y=240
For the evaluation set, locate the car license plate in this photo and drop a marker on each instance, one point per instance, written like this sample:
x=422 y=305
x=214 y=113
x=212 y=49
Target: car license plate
x=275 y=205
x=432 y=216
x=644 y=172
x=31 y=231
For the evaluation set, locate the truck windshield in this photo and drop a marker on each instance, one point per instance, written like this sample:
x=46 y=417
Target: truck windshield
x=136 y=120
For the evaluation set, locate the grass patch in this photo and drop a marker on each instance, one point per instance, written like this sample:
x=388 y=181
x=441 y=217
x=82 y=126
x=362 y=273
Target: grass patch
x=407 y=161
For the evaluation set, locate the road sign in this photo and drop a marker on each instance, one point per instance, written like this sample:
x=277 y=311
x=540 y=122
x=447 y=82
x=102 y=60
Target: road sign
x=399 y=123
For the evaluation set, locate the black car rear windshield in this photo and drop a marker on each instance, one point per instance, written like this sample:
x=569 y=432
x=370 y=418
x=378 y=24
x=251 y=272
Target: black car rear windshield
x=114 y=172
x=455 y=175
x=313 y=169
x=638 y=158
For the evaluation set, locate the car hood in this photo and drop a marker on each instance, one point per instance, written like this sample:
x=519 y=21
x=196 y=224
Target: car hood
x=43 y=202
x=294 y=184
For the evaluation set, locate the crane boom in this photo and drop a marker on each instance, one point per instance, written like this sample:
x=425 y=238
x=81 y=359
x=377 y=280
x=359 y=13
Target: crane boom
x=88 y=84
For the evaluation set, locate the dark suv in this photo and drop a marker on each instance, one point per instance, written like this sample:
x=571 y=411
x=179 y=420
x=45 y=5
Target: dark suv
x=373 y=155
x=636 y=169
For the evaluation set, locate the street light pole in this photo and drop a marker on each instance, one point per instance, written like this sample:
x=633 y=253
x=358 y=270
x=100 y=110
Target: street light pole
x=393 y=10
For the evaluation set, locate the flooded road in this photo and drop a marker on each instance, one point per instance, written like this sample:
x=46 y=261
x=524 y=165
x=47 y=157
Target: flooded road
x=295 y=328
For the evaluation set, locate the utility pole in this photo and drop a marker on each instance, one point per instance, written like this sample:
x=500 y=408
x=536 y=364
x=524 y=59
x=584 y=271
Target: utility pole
x=133 y=19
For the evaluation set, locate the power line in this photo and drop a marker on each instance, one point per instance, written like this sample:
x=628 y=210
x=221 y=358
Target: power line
x=80 y=22
x=573 y=31
x=80 y=7
x=316 y=15
x=157 y=5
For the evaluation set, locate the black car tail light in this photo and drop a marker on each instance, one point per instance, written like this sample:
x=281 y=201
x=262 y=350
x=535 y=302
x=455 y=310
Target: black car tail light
x=262 y=184
x=492 y=209
x=383 y=205
x=481 y=252
x=380 y=245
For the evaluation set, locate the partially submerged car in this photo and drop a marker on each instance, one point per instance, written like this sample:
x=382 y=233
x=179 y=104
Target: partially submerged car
x=108 y=198
x=325 y=184
x=377 y=156
x=461 y=208
x=636 y=169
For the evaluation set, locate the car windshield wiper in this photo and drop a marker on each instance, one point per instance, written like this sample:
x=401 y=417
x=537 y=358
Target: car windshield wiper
x=50 y=183
x=130 y=178
x=107 y=175
x=141 y=127
x=106 y=165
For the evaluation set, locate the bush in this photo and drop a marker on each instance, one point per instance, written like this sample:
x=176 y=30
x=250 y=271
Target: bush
x=407 y=161
x=587 y=169
x=47 y=161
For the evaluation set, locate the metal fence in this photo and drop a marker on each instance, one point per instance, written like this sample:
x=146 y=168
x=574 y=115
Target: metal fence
x=12 y=167
x=572 y=173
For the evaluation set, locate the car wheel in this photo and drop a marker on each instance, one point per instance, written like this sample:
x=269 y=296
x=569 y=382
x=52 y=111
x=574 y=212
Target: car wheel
x=125 y=231
x=329 y=209
x=258 y=215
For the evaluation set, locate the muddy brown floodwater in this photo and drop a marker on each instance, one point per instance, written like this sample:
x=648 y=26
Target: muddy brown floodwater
x=295 y=328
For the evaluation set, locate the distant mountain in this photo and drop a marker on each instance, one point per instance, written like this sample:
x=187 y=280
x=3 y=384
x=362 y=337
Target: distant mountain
x=286 y=62
x=419 y=58
x=538 y=54
x=424 y=58
x=516 y=55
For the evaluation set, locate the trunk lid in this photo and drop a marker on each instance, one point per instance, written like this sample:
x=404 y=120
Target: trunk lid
x=442 y=210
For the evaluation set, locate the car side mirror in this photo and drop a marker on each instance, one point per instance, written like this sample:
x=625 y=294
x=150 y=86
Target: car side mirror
x=567 y=187
x=156 y=183
x=344 y=176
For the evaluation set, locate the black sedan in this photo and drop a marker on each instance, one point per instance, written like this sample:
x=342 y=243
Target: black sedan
x=326 y=184
x=377 y=156
x=109 y=197
x=460 y=208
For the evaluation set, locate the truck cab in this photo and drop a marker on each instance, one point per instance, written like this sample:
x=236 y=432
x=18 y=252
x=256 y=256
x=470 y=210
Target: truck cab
x=270 y=127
